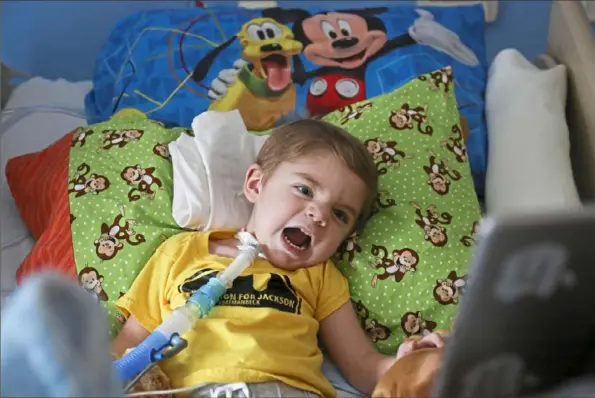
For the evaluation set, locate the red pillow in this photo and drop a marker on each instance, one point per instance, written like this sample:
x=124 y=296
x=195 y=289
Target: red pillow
x=39 y=184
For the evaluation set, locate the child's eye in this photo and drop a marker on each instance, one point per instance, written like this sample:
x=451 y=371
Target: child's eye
x=341 y=215
x=304 y=190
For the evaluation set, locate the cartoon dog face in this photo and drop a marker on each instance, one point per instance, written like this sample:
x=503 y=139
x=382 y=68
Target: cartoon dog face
x=268 y=45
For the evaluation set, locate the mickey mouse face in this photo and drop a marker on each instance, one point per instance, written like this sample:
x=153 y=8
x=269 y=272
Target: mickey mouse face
x=341 y=39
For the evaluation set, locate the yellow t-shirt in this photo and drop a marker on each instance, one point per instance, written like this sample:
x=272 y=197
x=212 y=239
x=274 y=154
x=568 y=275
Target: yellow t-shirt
x=263 y=329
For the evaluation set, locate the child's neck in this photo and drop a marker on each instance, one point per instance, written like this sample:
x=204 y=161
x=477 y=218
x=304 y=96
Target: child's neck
x=224 y=247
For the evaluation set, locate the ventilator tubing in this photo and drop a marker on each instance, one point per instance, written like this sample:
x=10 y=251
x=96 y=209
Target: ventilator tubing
x=184 y=318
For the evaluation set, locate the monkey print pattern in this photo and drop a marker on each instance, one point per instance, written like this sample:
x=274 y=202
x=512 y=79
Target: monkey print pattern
x=90 y=280
x=158 y=123
x=441 y=77
x=120 y=138
x=349 y=113
x=119 y=316
x=349 y=247
x=162 y=151
x=80 y=137
x=407 y=116
x=385 y=154
x=83 y=184
x=383 y=201
x=374 y=330
x=401 y=262
x=413 y=324
x=429 y=222
x=439 y=175
x=456 y=145
x=110 y=240
x=142 y=181
x=447 y=291
x=163 y=237
x=469 y=240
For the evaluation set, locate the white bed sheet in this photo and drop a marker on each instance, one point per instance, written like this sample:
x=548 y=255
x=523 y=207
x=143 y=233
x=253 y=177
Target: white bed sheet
x=38 y=113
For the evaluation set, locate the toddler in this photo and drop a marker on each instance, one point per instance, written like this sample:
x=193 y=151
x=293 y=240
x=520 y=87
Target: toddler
x=312 y=185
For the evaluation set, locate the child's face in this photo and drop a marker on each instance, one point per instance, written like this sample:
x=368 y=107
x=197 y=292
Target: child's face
x=305 y=209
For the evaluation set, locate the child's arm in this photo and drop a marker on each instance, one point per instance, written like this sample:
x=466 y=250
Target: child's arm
x=131 y=335
x=353 y=353
x=144 y=299
x=351 y=350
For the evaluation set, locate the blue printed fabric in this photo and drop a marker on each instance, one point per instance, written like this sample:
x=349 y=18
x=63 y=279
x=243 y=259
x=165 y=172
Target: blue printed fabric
x=172 y=65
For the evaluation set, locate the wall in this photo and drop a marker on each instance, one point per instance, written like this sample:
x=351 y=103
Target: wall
x=522 y=25
x=30 y=43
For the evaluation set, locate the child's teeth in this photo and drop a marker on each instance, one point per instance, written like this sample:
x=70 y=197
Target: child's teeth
x=291 y=244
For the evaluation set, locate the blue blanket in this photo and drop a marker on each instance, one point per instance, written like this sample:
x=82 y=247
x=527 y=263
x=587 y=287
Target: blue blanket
x=172 y=65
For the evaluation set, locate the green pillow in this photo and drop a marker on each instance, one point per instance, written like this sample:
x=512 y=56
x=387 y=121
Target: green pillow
x=408 y=268
x=118 y=223
x=403 y=129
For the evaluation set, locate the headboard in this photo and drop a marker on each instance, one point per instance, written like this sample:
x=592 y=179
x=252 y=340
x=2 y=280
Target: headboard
x=571 y=42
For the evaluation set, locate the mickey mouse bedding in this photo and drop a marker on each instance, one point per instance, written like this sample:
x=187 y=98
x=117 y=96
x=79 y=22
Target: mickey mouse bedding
x=173 y=65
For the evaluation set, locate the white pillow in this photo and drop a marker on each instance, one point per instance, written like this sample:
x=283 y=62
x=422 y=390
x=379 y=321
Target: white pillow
x=529 y=166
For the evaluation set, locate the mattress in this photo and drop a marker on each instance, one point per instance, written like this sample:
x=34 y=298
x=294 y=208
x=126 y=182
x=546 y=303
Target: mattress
x=38 y=112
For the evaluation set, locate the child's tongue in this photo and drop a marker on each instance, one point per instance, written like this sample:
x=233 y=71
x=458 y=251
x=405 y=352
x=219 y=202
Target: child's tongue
x=296 y=236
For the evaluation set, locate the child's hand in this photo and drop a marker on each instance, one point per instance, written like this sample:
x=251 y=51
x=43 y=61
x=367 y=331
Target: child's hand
x=412 y=376
x=432 y=340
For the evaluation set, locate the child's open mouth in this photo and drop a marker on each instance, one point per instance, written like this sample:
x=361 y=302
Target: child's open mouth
x=296 y=238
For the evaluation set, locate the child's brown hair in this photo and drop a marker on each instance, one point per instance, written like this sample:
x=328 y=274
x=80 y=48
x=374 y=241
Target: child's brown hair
x=302 y=137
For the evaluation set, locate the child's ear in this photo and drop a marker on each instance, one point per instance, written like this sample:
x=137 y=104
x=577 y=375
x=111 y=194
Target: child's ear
x=253 y=182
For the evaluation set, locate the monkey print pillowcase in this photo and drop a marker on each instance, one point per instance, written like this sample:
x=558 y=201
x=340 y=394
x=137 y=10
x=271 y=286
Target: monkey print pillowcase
x=120 y=192
x=407 y=270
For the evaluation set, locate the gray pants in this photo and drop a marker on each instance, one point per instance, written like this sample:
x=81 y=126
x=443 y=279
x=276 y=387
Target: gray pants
x=271 y=389
x=278 y=389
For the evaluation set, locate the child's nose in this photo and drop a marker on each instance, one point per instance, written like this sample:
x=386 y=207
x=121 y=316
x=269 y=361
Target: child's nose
x=318 y=214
